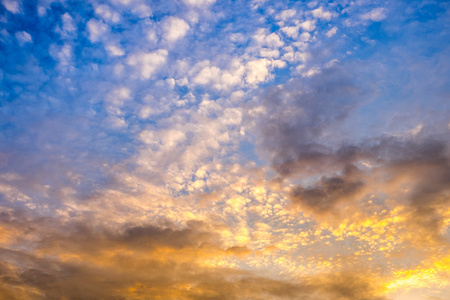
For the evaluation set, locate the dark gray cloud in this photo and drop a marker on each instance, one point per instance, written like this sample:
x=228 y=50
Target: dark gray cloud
x=325 y=194
x=300 y=116
x=307 y=130
x=303 y=141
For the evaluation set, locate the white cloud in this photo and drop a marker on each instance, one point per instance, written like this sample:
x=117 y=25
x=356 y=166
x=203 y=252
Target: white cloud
x=319 y=13
x=376 y=15
x=206 y=75
x=107 y=14
x=331 y=63
x=115 y=50
x=12 y=6
x=296 y=56
x=174 y=28
x=416 y=130
x=199 y=2
x=311 y=72
x=63 y=55
x=69 y=27
x=332 y=31
x=312 y=4
x=171 y=138
x=257 y=71
x=221 y=79
x=96 y=30
x=151 y=36
x=309 y=25
x=264 y=39
x=114 y=101
x=148 y=63
x=290 y=31
x=142 y=11
x=118 y=96
x=68 y=24
x=305 y=36
x=117 y=122
x=148 y=137
x=231 y=116
x=41 y=11
x=23 y=37
x=286 y=14
x=264 y=52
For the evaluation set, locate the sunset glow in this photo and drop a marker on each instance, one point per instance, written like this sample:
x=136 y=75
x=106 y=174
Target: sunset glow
x=207 y=149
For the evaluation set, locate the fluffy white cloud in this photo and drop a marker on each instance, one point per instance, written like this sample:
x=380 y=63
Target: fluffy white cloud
x=257 y=71
x=107 y=14
x=309 y=25
x=221 y=79
x=207 y=74
x=286 y=14
x=114 y=50
x=174 y=28
x=12 y=6
x=96 y=30
x=142 y=11
x=291 y=31
x=320 y=13
x=305 y=36
x=148 y=63
x=118 y=96
x=264 y=52
x=263 y=38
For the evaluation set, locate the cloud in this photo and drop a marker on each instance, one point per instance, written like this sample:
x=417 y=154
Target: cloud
x=68 y=24
x=263 y=38
x=199 y=2
x=96 y=29
x=12 y=6
x=209 y=151
x=406 y=163
x=308 y=25
x=257 y=71
x=324 y=195
x=298 y=124
x=286 y=14
x=23 y=37
x=148 y=261
x=174 y=29
x=320 y=13
x=295 y=116
x=107 y=13
x=377 y=14
x=332 y=31
x=142 y=11
x=115 y=50
x=147 y=63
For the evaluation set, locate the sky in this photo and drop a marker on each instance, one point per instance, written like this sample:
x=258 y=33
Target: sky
x=218 y=149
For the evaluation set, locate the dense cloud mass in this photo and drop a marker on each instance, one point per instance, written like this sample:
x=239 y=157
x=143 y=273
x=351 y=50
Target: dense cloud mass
x=79 y=262
x=204 y=149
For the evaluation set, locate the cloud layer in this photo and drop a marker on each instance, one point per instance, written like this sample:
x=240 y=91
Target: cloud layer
x=224 y=150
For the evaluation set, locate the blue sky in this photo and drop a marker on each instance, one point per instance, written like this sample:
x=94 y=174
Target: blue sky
x=206 y=149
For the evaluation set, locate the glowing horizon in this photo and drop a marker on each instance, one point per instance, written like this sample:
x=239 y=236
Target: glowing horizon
x=206 y=149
